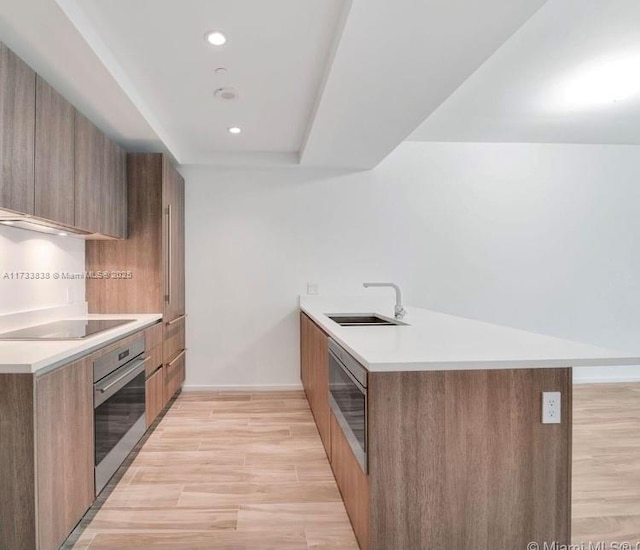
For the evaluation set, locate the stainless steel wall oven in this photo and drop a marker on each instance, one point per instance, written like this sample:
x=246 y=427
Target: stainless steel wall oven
x=348 y=399
x=119 y=407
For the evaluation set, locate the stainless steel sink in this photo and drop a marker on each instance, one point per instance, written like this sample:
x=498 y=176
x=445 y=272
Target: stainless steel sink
x=363 y=320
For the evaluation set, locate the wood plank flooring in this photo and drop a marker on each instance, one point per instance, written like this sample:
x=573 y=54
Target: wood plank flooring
x=606 y=463
x=237 y=471
x=248 y=471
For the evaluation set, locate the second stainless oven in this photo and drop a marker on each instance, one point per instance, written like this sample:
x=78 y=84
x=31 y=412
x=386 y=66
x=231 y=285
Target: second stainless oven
x=119 y=406
x=348 y=399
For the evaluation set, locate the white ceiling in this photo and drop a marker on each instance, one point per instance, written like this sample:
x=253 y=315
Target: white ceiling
x=336 y=83
x=40 y=33
x=548 y=81
x=275 y=57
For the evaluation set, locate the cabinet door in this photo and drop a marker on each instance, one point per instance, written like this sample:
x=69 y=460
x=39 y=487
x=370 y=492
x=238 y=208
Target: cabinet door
x=17 y=132
x=304 y=354
x=65 y=450
x=114 y=190
x=319 y=374
x=154 y=396
x=90 y=168
x=174 y=375
x=173 y=194
x=352 y=482
x=55 y=156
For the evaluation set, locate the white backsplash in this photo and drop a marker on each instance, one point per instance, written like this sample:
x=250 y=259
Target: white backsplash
x=29 y=252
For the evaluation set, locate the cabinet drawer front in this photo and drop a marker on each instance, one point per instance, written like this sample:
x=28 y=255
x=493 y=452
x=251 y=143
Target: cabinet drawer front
x=174 y=339
x=155 y=360
x=153 y=337
x=154 y=396
x=174 y=375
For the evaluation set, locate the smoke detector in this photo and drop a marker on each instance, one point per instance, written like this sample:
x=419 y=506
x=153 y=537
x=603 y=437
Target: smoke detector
x=228 y=94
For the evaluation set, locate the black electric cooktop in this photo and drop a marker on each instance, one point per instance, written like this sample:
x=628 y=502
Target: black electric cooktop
x=69 y=329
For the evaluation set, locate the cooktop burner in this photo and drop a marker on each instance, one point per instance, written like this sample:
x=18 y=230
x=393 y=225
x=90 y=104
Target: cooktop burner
x=69 y=329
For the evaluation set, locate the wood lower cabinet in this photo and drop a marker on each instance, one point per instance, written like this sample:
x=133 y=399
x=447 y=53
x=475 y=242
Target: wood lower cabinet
x=64 y=457
x=46 y=455
x=314 y=372
x=154 y=395
x=352 y=482
x=17 y=132
x=174 y=375
x=457 y=460
x=54 y=156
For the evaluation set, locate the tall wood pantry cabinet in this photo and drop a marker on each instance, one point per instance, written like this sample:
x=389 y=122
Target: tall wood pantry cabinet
x=153 y=253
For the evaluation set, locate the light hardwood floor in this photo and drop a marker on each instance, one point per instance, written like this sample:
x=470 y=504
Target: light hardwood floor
x=248 y=471
x=236 y=471
x=606 y=463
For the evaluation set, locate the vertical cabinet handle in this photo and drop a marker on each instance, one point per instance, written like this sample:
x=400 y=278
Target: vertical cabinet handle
x=169 y=261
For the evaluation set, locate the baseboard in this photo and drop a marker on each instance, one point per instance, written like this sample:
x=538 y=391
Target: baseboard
x=606 y=380
x=281 y=387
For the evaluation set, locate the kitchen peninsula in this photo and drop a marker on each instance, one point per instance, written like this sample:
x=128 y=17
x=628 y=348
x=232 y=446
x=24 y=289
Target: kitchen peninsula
x=456 y=454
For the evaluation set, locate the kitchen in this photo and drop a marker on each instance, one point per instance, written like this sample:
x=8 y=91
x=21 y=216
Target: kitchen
x=512 y=219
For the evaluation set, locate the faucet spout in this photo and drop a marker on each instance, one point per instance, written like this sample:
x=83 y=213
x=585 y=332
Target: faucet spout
x=399 y=311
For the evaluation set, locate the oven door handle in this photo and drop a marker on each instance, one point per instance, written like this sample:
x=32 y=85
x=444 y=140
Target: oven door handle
x=102 y=393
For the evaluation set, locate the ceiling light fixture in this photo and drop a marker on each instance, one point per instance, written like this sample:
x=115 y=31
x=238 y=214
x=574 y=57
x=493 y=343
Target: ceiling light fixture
x=602 y=82
x=235 y=130
x=215 y=38
x=62 y=234
x=7 y=223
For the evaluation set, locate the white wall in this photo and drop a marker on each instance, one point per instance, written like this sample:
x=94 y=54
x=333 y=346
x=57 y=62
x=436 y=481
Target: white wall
x=28 y=251
x=540 y=237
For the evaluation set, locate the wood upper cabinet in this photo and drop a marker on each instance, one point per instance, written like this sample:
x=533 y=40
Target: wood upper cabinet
x=54 y=156
x=173 y=204
x=17 y=132
x=64 y=458
x=100 y=181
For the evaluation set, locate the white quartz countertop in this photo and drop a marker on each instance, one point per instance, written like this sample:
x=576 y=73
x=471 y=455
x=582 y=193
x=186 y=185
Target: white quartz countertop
x=437 y=341
x=45 y=355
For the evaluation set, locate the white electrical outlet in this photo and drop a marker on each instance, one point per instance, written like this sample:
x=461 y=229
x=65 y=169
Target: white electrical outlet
x=312 y=289
x=551 y=407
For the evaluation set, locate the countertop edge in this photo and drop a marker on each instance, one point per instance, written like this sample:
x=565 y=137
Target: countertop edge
x=380 y=367
x=84 y=347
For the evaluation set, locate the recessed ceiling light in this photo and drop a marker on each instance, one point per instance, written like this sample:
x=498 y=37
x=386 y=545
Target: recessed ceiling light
x=7 y=223
x=62 y=233
x=221 y=70
x=215 y=38
x=235 y=130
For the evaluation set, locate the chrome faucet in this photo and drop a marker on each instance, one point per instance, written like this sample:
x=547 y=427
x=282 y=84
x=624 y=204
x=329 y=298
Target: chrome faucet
x=399 y=311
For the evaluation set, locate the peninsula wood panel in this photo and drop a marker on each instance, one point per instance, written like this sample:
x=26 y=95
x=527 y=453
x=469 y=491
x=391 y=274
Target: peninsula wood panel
x=352 y=482
x=315 y=369
x=17 y=503
x=54 y=156
x=462 y=460
x=65 y=457
x=141 y=253
x=17 y=132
